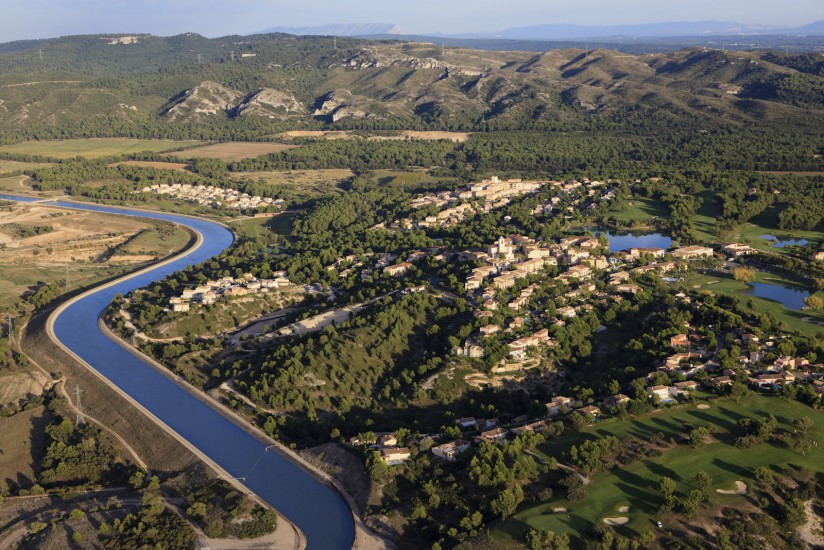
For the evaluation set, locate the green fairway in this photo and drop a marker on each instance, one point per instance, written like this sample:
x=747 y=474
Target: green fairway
x=721 y=283
x=634 y=485
x=766 y=223
x=264 y=227
x=708 y=212
x=638 y=211
x=95 y=147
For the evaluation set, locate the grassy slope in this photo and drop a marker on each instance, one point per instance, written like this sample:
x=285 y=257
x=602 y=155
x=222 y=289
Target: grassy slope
x=639 y=210
x=635 y=484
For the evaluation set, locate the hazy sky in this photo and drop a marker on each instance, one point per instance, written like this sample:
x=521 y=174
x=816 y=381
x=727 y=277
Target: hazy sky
x=48 y=18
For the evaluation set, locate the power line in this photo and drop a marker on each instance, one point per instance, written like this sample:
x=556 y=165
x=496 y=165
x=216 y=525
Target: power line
x=80 y=418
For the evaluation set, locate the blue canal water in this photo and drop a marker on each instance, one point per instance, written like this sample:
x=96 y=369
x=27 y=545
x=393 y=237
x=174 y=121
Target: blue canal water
x=781 y=242
x=790 y=298
x=316 y=508
x=625 y=241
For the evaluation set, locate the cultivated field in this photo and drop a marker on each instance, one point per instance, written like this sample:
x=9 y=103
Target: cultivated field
x=634 y=485
x=95 y=147
x=9 y=166
x=301 y=181
x=233 y=150
x=177 y=166
x=94 y=246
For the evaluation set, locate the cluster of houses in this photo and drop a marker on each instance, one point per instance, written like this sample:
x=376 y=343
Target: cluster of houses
x=208 y=195
x=495 y=193
x=211 y=291
x=580 y=257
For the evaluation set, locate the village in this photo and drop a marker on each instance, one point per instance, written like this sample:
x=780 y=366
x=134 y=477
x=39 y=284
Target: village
x=507 y=283
x=589 y=276
x=216 y=197
x=211 y=291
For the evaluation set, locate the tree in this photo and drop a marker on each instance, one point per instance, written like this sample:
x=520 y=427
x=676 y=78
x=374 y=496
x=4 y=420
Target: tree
x=803 y=423
x=743 y=274
x=666 y=486
x=507 y=501
x=814 y=302
x=794 y=513
x=698 y=435
x=703 y=481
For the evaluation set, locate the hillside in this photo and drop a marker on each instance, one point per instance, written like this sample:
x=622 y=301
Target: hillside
x=139 y=82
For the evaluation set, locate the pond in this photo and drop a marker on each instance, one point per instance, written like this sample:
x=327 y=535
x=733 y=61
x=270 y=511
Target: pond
x=625 y=241
x=782 y=242
x=789 y=297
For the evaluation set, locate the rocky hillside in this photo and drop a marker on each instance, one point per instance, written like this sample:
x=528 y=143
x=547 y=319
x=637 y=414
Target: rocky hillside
x=284 y=78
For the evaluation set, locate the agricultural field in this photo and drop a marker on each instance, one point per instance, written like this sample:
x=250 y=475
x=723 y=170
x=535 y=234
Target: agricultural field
x=38 y=242
x=10 y=166
x=95 y=147
x=233 y=150
x=300 y=182
x=806 y=321
x=632 y=487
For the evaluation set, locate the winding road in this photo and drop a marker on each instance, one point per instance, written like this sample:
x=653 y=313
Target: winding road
x=314 y=506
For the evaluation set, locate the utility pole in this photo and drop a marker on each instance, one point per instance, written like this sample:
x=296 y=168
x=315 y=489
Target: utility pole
x=80 y=418
x=232 y=54
x=443 y=49
x=199 y=56
x=335 y=42
x=40 y=53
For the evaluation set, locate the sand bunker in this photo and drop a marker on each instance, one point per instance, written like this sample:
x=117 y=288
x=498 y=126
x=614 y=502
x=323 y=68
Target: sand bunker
x=616 y=521
x=703 y=406
x=623 y=509
x=740 y=489
x=560 y=510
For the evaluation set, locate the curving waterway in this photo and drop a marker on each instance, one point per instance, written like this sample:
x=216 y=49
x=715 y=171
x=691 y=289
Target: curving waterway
x=316 y=508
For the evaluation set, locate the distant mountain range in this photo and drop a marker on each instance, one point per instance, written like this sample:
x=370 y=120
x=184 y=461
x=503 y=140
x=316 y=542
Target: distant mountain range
x=556 y=32
x=344 y=29
x=654 y=30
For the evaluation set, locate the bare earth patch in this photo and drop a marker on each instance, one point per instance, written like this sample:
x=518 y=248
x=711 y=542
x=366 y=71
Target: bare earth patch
x=21 y=385
x=624 y=509
x=702 y=406
x=616 y=521
x=740 y=489
x=234 y=150
x=811 y=531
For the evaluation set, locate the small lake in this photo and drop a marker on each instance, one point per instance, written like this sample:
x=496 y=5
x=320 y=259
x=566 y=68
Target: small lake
x=625 y=241
x=781 y=242
x=789 y=297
